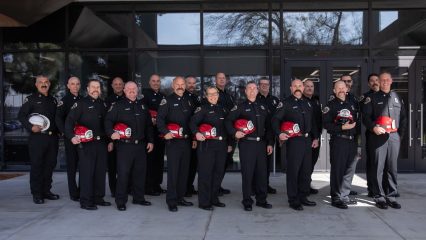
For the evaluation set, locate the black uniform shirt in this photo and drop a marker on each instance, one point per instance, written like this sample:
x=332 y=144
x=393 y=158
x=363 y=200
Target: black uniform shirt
x=255 y=112
x=113 y=98
x=270 y=101
x=151 y=98
x=135 y=115
x=38 y=103
x=88 y=112
x=212 y=114
x=297 y=110
x=195 y=99
x=174 y=109
x=331 y=111
x=63 y=108
x=316 y=107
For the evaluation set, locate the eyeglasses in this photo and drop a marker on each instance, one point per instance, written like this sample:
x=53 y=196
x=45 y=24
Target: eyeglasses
x=212 y=94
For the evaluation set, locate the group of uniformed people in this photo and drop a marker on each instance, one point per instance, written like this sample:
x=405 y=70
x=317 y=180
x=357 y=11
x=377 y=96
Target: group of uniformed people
x=129 y=136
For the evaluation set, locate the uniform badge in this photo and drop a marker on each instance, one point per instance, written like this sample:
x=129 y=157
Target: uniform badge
x=163 y=101
x=331 y=97
x=361 y=98
x=60 y=103
x=280 y=105
x=197 y=110
x=234 y=108
x=143 y=107
x=325 y=110
x=262 y=107
x=309 y=104
x=367 y=100
x=74 y=106
x=396 y=100
x=26 y=100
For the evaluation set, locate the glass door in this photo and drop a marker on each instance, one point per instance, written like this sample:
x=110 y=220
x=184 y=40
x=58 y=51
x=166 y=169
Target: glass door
x=419 y=115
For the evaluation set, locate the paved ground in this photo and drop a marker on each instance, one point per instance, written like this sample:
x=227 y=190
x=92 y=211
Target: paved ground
x=63 y=219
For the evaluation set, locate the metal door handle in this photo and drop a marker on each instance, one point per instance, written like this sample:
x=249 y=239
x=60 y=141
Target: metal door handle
x=409 y=125
x=421 y=124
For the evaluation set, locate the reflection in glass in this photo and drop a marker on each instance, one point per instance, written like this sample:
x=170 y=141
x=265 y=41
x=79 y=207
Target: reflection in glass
x=323 y=28
x=178 y=28
x=354 y=72
x=387 y=18
x=236 y=29
x=307 y=73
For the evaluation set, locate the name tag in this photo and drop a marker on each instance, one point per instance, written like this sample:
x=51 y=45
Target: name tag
x=294 y=107
x=211 y=112
x=91 y=107
x=38 y=102
x=127 y=109
x=380 y=103
x=176 y=104
x=248 y=110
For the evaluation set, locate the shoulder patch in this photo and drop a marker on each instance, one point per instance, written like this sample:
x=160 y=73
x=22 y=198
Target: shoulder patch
x=325 y=110
x=26 y=100
x=234 y=108
x=60 y=103
x=163 y=101
x=280 y=105
x=367 y=100
x=331 y=97
x=74 y=106
x=197 y=110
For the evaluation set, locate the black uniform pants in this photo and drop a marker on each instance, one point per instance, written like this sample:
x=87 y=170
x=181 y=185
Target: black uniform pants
x=72 y=167
x=131 y=164
x=342 y=160
x=112 y=170
x=369 y=164
x=315 y=155
x=192 y=169
x=178 y=156
x=253 y=165
x=155 y=165
x=385 y=149
x=43 y=151
x=93 y=164
x=212 y=155
x=299 y=167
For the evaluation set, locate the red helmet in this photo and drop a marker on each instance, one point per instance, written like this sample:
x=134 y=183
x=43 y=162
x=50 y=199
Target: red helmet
x=208 y=131
x=124 y=130
x=153 y=114
x=176 y=130
x=344 y=116
x=244 y=125
x=387 y=123
x=291 y=129
x=83 y=133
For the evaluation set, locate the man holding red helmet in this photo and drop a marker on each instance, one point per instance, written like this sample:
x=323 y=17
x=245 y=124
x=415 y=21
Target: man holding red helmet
x=297 y=110
x=128 y=123
x=173 y=118
x=384 y=115
x=207 y=125
x=249 y=122
x=340 y=118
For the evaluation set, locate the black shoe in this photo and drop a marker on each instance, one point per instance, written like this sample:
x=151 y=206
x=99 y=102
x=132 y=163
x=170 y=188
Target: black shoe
x=89 y=207
x=272 y=190
x=173 y=208
x=185 y=203
x=38 y=200
x=219 y=204
x=351 y=202
x=313 y=191
x=381 y=205
x=103 y=203
x=393 y=204
x=142 y=202
x=224 y=191
x=339 y=204
x=264 y=205
x=75 y=199
x=121 y=207
x=297 y=207
x=353 y=193
x=207 y=208
x=306 y=202
x=51 y=196
x=153 y=193
x=247 y=208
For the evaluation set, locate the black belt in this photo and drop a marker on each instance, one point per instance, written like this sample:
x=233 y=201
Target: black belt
x=50 y=133
x=98 y=138
x=345 y=136
x=131 y=141
x=257 y=139
x=218 y=138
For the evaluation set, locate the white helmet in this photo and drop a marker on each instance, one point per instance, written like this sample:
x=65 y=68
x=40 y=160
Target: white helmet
x=39 y=120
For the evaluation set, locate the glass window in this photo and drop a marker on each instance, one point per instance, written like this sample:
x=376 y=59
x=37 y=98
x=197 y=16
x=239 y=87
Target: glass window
x=276 y=28
x=236 y=29
x=276 y=74
x=154 y=29
x=323 y=28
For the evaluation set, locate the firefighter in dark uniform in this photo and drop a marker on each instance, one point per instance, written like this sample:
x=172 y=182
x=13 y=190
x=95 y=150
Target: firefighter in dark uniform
x=43 y=139
x=340 y=118
x=176 y=110
x=271 y=102
x=384 y=115
x=90 y=112
x=373 y=84
x=195 y=102
x=64 y=107
x=117 y=86
x=226 y=101
x=308 y=93
x=212 y=148
x=253 y=147
x=299 y=111
x=131 y=147
x=155 y=159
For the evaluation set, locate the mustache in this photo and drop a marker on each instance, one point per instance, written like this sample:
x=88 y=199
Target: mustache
x=179 y=89
x=295 y=91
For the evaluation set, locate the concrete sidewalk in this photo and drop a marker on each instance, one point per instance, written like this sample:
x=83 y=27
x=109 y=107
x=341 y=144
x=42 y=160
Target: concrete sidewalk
x=63 y=219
